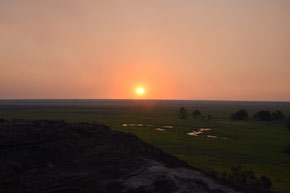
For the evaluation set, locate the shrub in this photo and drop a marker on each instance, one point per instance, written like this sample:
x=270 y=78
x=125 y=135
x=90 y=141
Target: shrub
x=265 y=182
x=196 y=114
x=287 y=149
x=239 y=175
x=240 y=115
x=182 y=113
x=236 y=169
x=209 y=117
x=278 y=115
x=264 y=116
x=242 y=176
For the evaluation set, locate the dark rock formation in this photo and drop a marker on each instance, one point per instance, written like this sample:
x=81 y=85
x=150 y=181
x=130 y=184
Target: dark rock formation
x=54 y=156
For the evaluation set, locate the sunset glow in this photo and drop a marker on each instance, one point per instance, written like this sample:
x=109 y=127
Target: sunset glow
x=140 y=91
x=212 y=50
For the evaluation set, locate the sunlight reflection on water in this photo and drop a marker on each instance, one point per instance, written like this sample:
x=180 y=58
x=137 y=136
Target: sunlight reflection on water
x=160 y=129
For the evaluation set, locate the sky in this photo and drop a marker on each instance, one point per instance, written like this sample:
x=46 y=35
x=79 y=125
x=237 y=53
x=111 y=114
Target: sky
x=185 y=49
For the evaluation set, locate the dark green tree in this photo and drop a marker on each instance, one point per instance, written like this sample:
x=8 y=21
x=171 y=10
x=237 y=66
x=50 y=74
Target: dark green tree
x=239 y=115
x=209 y=117
x=264 y=116
x=182 y=113
x=265 y=182
x=287 y=149
x=196 y=114
x=278 y=115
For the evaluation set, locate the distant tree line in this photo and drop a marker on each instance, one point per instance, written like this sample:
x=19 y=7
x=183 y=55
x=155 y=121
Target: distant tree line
x=240 y=115
x=260 y=115
x=268 y=116
x=196 y=114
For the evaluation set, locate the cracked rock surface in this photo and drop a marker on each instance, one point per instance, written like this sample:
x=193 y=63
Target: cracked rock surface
x=54 y=156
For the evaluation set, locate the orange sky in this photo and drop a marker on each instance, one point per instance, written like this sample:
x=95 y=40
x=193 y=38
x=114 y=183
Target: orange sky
x=199 y=49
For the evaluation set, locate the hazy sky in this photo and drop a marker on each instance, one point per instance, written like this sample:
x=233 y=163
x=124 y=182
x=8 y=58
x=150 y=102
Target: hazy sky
x=175 y=49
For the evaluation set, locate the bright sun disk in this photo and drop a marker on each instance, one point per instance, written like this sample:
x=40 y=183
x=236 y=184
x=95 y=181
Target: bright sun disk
x=140 y=91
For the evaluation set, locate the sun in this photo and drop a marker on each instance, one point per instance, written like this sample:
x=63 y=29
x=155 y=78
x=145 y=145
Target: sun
x=140 y=91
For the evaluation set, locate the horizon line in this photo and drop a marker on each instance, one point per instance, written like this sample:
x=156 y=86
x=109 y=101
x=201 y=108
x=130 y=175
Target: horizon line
x=230 y=100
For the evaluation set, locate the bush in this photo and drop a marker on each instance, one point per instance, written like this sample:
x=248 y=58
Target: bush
x=264 y=116
x=209 y=117
x=196 y=114
x=265 y=182
x=182 y=114
x=240 y=115
x=287 y=149
x=237 y=174
x=242 y=176
x=288 y=126
x=278 y=115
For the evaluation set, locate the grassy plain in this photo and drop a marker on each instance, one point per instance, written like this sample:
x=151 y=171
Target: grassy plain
x=254 y=145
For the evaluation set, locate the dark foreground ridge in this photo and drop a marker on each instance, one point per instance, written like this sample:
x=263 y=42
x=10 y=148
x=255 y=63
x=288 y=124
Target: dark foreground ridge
x=54 y=156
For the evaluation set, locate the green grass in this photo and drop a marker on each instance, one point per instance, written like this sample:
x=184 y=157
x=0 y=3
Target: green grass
x=252 y=144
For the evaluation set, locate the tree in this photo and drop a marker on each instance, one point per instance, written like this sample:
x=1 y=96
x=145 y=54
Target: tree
x=287 y=149
x=265 y=182
x=239 y=115
x=278 y=115
x=248 y=177
x=196 y=114
x=182 y=113
x=209 y=117
x=264 y=116
x=242 y=176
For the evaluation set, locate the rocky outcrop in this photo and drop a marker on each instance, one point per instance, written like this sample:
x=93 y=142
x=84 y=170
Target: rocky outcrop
x=54 y=156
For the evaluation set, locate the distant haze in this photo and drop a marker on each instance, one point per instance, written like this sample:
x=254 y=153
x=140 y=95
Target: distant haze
x=175 y=49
